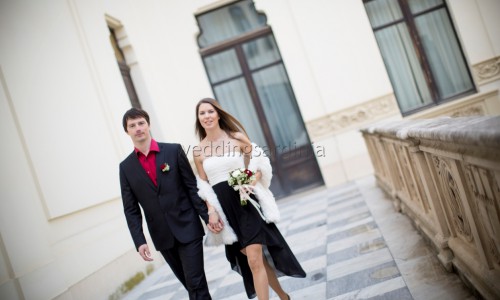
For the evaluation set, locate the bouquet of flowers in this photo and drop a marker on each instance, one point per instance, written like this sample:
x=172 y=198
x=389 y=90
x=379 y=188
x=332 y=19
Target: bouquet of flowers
x=240 y=179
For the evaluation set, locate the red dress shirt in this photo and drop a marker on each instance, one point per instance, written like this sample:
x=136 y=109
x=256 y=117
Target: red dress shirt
x=149 y=162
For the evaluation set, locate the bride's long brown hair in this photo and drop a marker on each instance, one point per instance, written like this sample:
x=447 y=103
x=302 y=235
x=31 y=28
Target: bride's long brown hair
x=227 y=122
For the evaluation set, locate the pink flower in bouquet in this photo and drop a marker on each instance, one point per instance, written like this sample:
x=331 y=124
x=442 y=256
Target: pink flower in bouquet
x=237 y=179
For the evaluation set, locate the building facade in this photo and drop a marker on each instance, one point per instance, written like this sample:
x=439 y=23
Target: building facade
x=303 y=76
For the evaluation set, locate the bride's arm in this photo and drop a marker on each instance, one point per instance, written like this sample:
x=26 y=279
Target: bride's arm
x=198 y=162
x=258 y=176
x=214 y=223
x=246 y=148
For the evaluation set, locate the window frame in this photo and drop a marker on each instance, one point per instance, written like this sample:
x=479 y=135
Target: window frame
x=281 y=164
x=124 y=69
x=236 y=44
x=408 y=19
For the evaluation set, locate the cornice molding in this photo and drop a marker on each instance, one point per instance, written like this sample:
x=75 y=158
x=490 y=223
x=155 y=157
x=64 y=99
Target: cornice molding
x=473 y=105
x=353 y=117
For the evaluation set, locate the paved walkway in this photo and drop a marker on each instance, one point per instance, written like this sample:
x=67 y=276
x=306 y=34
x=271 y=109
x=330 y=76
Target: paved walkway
x=352 y=245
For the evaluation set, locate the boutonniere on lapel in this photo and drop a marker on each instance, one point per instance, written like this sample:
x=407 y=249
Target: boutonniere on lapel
x=165 y=167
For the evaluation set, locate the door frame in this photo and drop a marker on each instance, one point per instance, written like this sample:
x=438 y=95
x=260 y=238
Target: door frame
x=278 y=162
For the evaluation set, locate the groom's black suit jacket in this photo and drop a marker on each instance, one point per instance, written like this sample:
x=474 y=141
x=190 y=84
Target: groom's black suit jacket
x=171 y=208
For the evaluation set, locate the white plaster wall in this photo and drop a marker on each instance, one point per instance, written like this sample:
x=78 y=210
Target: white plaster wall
x=163 y=36
x=477 y=23
x=326 y=62
x=5 y=269
x=471 y=30
x=478 y=27
x=490 y=12
x=62 y=99
x=57 y=97
x=22 y=221
x=331 y=165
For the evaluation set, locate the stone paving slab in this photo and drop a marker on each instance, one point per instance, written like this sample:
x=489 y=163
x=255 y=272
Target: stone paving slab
x=348 y=240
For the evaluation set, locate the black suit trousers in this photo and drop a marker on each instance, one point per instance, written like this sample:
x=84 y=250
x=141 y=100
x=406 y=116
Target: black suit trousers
x=186 y=261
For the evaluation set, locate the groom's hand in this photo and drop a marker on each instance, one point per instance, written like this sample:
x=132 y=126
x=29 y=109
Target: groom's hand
x=144 y=252
x=215 y=224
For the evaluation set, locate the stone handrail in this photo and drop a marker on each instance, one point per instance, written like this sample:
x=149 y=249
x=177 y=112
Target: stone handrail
x=445 y=175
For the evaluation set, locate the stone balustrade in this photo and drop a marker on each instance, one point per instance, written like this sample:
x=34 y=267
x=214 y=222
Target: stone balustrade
x=444 y=173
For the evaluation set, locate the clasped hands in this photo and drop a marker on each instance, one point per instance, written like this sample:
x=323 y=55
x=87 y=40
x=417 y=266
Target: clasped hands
x=215 y=224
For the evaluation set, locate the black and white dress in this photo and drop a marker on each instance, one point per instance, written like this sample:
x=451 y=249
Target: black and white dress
x=247 y=224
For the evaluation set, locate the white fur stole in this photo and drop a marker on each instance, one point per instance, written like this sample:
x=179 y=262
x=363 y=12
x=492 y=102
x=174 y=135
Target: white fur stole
x=227 y=235
x=258 y=162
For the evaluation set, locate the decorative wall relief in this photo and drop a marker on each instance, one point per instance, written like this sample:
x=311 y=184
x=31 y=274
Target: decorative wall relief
x=486 y=194
x=353 y=117
x=476 y=109
x=493 y=248
x=487 y=71
x=422 y=197
x=452 y=195
x=399 y=181
x=405 y=172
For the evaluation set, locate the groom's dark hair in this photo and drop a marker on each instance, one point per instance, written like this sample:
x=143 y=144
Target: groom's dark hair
x=134 y=113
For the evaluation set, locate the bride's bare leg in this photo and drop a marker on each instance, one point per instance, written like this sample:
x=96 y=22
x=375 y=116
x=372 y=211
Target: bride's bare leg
x=273 y=281
x=259 y=274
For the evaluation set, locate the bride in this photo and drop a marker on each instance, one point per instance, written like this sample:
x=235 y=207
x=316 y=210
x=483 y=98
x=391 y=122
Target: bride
x=254 y=246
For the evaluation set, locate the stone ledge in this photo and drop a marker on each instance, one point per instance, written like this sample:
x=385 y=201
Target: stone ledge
x=476 y=131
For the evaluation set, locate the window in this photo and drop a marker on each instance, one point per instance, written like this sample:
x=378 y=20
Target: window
x=124 y=69
x=249 y=79
x=421 y=52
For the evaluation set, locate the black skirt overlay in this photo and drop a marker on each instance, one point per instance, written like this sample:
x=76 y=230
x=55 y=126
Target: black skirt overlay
x=251 y=229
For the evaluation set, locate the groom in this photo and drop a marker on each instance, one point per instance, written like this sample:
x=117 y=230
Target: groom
x=159 y=178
